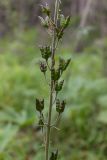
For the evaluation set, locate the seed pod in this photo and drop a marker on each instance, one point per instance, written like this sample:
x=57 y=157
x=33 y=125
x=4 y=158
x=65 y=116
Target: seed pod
x=39 y=105
x=43 y=67
x=45 y=52
x=58 y=86
x=55 y=74
x=60 y=106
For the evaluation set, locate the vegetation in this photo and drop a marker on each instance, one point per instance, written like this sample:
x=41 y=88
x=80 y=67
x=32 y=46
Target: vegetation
x=83 y=128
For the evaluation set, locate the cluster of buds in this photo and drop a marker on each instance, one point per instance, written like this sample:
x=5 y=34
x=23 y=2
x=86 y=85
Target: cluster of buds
x=56 y=74
x=39 y=105
x=54 y=155
x=64 y=64
x=60 y=106
x=43 y=67
x=58 y=86
x=64 y=22
x=49 y=24
x=45 y=52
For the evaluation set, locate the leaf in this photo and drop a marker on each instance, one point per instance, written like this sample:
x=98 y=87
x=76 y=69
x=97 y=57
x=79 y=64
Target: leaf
x=11 y=116
x=8 y=115
x=6 y=135
x=103 y=101
x=102 y=117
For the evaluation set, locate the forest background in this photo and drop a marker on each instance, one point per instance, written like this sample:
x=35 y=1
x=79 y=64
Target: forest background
x=83 y=128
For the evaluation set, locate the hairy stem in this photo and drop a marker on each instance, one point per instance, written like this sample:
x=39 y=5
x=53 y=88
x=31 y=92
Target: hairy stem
x=52 y=84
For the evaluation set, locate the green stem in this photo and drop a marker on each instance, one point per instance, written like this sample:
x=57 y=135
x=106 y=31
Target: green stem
x=52 y=84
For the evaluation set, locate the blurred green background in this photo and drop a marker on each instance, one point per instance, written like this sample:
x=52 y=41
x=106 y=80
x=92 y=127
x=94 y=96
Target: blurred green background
x=83 y=127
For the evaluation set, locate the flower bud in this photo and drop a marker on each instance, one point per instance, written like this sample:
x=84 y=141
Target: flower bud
x=64 y=22
x=60 y=106
x=39 y=105
x=63 y=64
x=46 y=9
x=58 y=86
x=43 y=67
x=45 y=52
x=55 y=74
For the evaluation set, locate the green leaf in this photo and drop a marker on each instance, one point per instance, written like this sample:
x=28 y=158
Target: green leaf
x=6 y=135
x=102 y=117
x=103 y=101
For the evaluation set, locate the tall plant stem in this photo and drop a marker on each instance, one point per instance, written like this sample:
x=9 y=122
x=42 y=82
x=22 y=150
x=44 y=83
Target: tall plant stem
x=52 y=84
